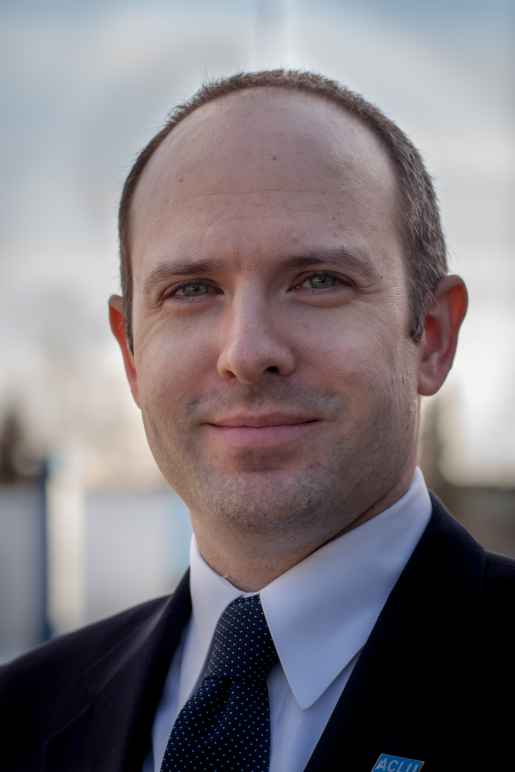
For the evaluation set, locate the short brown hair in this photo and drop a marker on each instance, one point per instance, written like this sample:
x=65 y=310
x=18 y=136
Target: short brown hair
x=423 y=237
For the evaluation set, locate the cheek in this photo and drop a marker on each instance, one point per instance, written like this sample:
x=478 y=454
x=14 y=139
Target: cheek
x=370 y=371
x=349 y=354
x=169 y=370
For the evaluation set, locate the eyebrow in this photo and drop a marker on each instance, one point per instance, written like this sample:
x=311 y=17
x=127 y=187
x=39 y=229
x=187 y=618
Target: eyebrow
x=339 y=256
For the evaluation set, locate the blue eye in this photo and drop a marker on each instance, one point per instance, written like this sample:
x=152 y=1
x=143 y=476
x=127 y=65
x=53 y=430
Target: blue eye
x=181 y=292
x=322 y=281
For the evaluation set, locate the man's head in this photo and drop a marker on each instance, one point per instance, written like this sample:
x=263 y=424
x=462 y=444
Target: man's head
x=271 y=285
x=421 y=230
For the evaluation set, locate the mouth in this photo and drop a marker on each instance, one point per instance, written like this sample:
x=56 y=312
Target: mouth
x=269 y=435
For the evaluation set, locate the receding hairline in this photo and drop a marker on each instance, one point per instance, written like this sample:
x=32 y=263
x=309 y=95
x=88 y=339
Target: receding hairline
x=275 y=90
x=184 y=127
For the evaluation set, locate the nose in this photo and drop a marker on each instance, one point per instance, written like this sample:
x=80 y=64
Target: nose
x=254 y=340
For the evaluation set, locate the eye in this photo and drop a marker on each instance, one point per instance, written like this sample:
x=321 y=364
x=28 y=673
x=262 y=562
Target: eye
x=323 y=280
x=189 y=290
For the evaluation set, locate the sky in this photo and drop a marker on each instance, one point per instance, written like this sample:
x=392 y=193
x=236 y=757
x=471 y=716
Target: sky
x=85 y=85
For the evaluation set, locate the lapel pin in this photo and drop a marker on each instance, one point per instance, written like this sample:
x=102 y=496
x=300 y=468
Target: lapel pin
x=387 y=763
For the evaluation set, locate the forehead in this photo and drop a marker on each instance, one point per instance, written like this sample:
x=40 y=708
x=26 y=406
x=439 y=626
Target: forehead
x=264 y=153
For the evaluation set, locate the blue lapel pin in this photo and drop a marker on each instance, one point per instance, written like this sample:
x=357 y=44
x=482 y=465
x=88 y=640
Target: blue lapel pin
x=387 y=763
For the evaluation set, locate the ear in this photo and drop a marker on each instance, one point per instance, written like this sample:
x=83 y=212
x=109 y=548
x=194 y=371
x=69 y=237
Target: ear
x=117 y=322
x=441 y=327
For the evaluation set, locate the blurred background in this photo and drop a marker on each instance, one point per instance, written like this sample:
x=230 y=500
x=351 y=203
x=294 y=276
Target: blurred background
x=87 y=526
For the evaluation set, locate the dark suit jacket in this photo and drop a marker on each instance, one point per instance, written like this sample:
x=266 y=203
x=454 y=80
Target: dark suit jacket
x=434 y=681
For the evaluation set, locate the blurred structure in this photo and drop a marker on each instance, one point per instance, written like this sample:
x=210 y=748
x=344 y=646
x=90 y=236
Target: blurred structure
x=69 y=556
x=24 y=618
x=486 y=511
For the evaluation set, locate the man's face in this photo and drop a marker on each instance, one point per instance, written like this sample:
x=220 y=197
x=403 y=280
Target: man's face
x=289 y=209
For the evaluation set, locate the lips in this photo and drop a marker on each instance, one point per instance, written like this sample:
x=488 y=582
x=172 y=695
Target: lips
x=245 y=432
x=261 y=421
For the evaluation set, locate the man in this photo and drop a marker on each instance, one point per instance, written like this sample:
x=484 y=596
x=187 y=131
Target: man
x=286 y=303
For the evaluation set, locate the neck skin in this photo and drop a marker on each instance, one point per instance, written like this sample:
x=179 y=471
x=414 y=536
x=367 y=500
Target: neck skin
x=250 y=561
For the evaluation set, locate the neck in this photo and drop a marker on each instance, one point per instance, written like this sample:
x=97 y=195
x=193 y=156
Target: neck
x=249 y=572
x=251 y=561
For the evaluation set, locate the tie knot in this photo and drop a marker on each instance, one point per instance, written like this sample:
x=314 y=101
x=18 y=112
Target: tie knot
x=242 y=644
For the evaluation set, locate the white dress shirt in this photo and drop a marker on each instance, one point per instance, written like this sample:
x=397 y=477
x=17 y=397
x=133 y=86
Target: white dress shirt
x=320 y=614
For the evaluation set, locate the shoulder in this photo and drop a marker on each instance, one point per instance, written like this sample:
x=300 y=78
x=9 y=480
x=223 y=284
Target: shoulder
x=487 y=597
x=48 y=683
x=485 y=580
x=499 y=593
x=63 y=659
x=499 y=574
x=497 y=571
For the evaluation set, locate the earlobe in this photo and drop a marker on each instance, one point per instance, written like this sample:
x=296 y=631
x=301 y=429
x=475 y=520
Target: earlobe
x=441 y=329
x=117 y=324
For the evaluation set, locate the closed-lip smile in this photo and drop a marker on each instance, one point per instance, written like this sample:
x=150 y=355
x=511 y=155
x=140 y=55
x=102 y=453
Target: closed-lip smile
x=244 y=432
x=260 y=421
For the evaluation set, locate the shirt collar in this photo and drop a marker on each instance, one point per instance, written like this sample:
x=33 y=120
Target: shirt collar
x=341 y=589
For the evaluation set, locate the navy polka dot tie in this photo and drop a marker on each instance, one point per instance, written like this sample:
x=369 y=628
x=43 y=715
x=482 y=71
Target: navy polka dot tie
x=225 y=726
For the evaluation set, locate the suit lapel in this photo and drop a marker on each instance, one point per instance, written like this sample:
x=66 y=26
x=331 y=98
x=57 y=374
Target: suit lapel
x=121 y=692
x=388 y=705
x=400 y=682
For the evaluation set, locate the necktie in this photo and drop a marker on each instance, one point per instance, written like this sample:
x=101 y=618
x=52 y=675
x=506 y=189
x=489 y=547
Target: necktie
x=225 y=726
